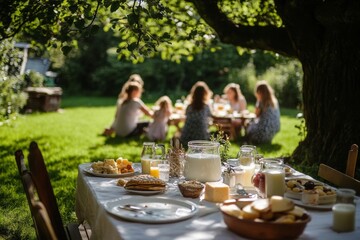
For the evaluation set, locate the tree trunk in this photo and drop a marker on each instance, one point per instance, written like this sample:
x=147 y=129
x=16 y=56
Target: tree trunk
x=331 y=98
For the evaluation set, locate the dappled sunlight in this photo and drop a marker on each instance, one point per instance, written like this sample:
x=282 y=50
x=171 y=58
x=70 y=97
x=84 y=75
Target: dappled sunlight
x=74 y=137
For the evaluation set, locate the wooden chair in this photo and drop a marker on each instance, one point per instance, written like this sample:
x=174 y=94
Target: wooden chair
x=40 y=177
x=351 y=161
x=42 y=223
x=340 y=179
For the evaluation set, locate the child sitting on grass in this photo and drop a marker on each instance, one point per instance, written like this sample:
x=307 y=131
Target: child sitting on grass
x=157 y=130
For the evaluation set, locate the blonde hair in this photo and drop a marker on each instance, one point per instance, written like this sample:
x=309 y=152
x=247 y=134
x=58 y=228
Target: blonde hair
x=136 y=78
x=133 y=78
x=236 y=88
x=164 y=102
x=266 y=92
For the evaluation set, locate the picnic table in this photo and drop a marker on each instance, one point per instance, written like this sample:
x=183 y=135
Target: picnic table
x=93 y=193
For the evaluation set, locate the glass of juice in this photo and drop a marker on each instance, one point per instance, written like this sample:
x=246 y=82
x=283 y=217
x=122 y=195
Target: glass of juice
x=154 y=168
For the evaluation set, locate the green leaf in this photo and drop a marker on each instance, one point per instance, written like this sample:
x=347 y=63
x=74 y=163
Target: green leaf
x=114 y=6
x=66 y=50
x=166 y=35
x=132 y=47
x=132 y=18
x=107 y=3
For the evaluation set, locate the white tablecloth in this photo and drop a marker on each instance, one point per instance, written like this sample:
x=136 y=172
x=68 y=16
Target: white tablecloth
x=93 y=192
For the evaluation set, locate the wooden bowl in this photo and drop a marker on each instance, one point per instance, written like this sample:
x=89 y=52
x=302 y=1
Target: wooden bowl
x=265 y=230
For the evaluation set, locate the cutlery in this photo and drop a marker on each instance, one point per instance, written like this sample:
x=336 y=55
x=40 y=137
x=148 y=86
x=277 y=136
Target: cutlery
x=135 y=209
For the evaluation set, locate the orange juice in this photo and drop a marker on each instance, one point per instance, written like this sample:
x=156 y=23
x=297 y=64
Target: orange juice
x=154 y=171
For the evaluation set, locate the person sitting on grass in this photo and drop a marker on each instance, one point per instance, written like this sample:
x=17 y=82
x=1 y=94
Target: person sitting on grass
x=129 y=108
x=237 y=103
x=236 y=99
x=197 y=114
x=157 y=130
x=267 y=112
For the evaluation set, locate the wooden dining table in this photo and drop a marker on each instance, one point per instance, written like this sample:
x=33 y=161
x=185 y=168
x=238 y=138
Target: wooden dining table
x=232 y=123
x=93 y=193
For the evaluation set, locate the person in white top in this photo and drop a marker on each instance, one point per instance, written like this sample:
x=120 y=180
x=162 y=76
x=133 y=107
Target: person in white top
x=237 y=102
x=129 y=108
x=236 y=99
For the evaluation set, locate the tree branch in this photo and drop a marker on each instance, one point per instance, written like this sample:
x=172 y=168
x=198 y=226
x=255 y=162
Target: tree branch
x=266 y=38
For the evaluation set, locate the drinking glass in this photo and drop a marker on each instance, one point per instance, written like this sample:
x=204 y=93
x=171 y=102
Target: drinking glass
x=246 y=158
x=154 y=168
x=345 y=195
x=148 y=153
x=164 y=170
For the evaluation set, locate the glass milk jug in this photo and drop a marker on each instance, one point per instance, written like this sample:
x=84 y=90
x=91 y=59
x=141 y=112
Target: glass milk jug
x=202 y=161
x=266 y=165
x=148 y=153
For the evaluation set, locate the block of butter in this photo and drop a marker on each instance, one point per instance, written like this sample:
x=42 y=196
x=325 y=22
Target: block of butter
x=216 y=192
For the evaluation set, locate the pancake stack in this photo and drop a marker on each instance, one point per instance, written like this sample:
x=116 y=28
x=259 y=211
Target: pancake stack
x=145 y=183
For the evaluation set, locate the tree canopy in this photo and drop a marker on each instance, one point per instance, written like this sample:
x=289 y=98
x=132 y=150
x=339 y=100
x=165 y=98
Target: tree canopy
x=174 y=28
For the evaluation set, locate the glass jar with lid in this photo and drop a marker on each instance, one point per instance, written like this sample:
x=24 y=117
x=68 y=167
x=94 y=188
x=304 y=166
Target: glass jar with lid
x=202 y=161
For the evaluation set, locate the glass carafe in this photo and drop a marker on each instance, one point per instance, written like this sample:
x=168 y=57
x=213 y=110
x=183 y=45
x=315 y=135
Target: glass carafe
x=202 y=161
x=266 y=165
x=148 y=153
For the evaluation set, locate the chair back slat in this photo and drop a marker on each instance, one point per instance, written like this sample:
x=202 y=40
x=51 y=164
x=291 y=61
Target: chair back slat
x=338 y=178
x=42 y=223
x=20 y=162
x=45 y=191
x=351 y=161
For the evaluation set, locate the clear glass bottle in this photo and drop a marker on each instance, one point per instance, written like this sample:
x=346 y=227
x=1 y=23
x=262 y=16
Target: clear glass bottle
x=202 y=161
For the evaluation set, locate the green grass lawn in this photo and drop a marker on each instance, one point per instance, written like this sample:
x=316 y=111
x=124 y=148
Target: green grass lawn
x=72 y=136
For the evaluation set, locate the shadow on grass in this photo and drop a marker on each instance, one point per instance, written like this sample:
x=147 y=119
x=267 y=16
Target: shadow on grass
x=124 y=143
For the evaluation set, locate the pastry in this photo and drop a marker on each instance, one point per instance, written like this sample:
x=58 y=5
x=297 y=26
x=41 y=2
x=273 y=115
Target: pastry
x=110 y=166
x=145 y=183
x=191 y=189
x=276 y=210
x=121 y=182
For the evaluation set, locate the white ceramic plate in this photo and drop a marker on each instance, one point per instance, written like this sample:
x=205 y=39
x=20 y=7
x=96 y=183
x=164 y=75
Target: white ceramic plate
x=140 y=192
x=107 y=175
x=318 y=207
x=323 y=200
x=156 y=209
